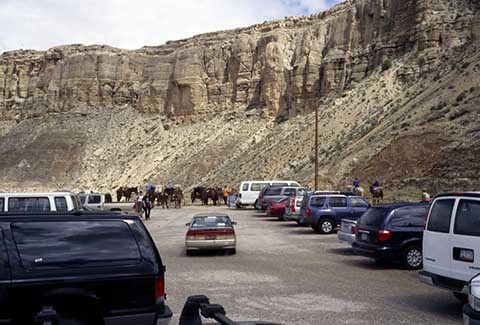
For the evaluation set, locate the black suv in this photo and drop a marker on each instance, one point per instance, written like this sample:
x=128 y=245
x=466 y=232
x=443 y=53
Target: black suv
x=79 y=268
x=392 y=232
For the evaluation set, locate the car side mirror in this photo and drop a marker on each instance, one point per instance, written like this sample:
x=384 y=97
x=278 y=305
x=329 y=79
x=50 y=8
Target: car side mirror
x=187 y=224
x=234 y=222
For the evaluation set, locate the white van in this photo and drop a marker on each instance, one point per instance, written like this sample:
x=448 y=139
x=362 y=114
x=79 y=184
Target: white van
x=249 y=190
x=451 y=242
x=39 y=202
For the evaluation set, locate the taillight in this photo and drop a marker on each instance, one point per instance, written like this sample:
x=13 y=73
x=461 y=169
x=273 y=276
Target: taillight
x=353 y=230
x=159 y=289
x=384 y=235
x=294 y=201
x=308 y=212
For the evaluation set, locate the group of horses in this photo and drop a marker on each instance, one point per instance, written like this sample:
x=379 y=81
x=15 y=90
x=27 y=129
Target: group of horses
x=377 y=193
x=207 y=193
x=159 y=196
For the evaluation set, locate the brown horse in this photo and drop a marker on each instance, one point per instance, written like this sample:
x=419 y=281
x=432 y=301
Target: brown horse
x=212 y=194
x=197 y=193
x=128 y=191
x=377 y=195
x=120 y=192
x=177 y=198
x=162 y=198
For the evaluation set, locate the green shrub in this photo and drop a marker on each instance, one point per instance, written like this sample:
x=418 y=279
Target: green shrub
x=387 y=64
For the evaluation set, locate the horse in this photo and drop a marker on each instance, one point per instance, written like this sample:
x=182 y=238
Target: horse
x=212 y=194
x=162 y=199
x=359 y=191
x=128 y=191
x=377 y=195
x=177 y=198
x=120 y=191
x=197 y=193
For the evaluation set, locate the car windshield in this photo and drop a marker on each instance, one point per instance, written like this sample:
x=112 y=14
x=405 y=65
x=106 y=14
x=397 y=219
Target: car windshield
x=211 y=222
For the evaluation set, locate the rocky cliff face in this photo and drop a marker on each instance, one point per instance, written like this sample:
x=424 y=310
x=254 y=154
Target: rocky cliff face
x=280 y=67
x=396 y=83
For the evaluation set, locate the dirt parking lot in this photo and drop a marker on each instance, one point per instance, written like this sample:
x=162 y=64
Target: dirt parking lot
x=289 y=274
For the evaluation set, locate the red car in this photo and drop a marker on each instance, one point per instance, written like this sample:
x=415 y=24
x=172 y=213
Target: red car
x=277 y=208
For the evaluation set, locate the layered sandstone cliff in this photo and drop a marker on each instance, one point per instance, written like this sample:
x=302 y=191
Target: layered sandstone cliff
x=279 y=67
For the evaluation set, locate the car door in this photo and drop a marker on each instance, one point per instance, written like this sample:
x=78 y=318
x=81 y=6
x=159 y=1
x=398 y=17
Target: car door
x=358 y=206
x=339 y=206
x=465 y=242
x=437 y=239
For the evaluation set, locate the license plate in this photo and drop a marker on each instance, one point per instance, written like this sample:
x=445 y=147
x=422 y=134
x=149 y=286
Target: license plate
x=210 y=237
x=364 y=236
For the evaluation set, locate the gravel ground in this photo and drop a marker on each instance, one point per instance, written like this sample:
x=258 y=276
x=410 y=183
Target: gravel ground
x=289 y=274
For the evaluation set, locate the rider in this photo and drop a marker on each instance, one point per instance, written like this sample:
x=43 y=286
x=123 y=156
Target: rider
x=356 y=184
x=374 y=186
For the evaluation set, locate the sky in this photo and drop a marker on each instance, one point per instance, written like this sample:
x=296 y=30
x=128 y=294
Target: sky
x=131 y=24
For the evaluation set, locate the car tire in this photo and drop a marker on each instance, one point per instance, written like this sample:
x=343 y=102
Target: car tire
x=461 y=296
x=325 y=226
x=255 y=205
x=189 y=252
x=412 y=258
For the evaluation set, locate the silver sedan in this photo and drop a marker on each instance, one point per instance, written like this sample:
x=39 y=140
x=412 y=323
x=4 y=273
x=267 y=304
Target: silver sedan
x=210 y=231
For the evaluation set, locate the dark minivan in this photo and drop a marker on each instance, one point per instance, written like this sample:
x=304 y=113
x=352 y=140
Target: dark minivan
x=392 y=232
x=84 y=268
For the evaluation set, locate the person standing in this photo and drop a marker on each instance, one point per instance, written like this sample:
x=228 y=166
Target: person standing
x=226 y=193
x=147 y=206
x=356 y=184
x=139 y=204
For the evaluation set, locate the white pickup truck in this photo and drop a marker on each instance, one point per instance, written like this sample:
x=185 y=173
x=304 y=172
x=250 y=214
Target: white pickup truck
x=103 y=202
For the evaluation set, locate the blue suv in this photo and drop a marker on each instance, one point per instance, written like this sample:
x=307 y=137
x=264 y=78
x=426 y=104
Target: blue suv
x=324 y=212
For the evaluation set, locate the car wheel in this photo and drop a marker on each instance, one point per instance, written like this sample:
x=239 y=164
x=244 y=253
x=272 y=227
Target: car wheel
x=189 y=252
x=461 y=296
x=325 y=226
x=412 y=258
x=255 y=205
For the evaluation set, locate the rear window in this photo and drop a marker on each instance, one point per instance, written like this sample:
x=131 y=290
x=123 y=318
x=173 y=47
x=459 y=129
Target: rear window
x=76 y=244
x=273 y=191
x=374 y=216
x=356 y=202
x=61 y=203
x=289 y=191
x=338 y=202
x=2 y=206
x=280 y=184
x=28 y=204
x=467 y=220
x=440 y=215
x=257 y=187
x=94 y=199
x=211 y=222
x=318 y=201
x=245 y=187
x=409 y=217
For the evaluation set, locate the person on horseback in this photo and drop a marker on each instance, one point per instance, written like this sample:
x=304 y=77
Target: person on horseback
x=356 y=184
x=374 y=186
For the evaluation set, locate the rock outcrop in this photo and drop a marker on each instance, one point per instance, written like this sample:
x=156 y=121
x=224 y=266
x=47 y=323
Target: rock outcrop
x=281 y=67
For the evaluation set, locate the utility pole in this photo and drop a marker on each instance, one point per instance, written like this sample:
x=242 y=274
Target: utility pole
x=316 y=148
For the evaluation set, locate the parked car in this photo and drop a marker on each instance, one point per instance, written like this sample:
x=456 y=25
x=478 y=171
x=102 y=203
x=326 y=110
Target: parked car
x=39 y=202
x=277 y=208
x=471 y=311
x=275 y=193
x=347 y=231
x=392 y=232
x=292 y=210
x=326 y=211
x=451 y=242
x=249 y=190
x=95 y=201
x=210 y=231
x=91 y=268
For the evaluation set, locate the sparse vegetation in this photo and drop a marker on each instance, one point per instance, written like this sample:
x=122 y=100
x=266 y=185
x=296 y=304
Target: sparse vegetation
x=386 y=65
